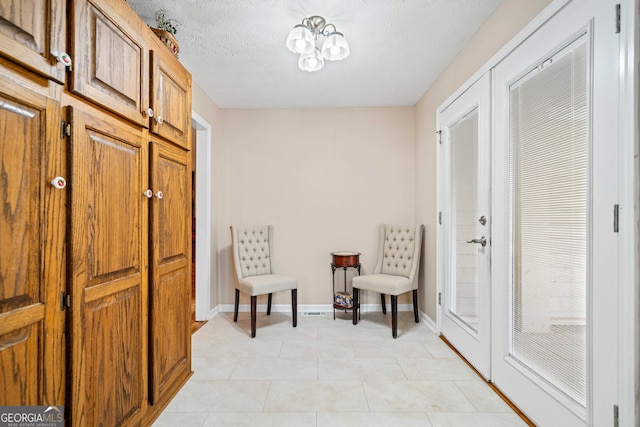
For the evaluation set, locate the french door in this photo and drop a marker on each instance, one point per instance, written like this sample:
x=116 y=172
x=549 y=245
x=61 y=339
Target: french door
x=554 y=248
x=465 y=238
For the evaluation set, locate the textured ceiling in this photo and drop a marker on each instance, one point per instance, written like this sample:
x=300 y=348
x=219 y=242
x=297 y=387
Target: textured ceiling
x=235 y=49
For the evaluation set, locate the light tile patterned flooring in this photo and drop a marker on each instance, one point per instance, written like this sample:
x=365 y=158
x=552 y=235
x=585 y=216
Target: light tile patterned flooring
x=329 y=373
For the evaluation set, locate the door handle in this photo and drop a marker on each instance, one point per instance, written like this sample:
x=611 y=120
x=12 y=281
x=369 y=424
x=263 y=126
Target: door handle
x=482 y=241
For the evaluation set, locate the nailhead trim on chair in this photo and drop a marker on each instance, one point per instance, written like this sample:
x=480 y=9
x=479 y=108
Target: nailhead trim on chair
x=253 y=251
x=399 y=246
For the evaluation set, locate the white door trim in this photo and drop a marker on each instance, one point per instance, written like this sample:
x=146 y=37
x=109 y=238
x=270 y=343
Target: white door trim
x=203 y=217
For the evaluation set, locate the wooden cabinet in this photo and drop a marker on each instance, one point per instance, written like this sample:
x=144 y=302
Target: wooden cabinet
x=170 y=97
x=94 y=276
x=108 y=275
x=33 y=34
x=170 y=290
x=111 y=57
x=32 y=238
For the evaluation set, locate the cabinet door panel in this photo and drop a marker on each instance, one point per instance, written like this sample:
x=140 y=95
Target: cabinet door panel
x=171 y=97
x=109 y=276
x=170 y=340
x=111 y=65
x=32 y=226
x=33 y=33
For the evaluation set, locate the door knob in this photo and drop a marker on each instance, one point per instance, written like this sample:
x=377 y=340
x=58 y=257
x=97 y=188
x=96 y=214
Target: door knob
x=482 y=241
x=59 y=182
x=159 y=120
x=148 y=193
x=159 y=195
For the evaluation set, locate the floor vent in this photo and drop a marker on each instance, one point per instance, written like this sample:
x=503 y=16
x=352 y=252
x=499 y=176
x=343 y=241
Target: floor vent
x=314 y=313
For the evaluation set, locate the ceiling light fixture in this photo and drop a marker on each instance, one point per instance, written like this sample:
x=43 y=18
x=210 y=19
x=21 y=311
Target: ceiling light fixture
x=302 y=40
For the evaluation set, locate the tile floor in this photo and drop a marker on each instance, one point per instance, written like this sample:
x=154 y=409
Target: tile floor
x=329 y=373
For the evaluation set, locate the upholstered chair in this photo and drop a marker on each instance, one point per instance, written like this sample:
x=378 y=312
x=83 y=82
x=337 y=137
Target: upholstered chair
x=396 y=270
x=255 y=273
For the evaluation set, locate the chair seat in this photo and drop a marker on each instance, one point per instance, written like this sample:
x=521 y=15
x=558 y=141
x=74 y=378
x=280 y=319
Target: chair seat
x=267 y=283
x=383 y=283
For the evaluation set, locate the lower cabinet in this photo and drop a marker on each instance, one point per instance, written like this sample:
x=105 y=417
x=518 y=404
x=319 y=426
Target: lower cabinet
x=129 y=275
x=32 y=240
x=170 y=287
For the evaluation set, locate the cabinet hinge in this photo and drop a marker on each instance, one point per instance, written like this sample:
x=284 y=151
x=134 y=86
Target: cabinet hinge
x=616 y=215
x=65 y=129
x=65 y=301
x=439 y=298
x=615 y=416
x=439 y=137
x=440 y=217
x=618 y=18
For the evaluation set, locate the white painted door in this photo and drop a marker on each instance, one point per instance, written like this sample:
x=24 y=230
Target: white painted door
x=465 y=230
x=555 y=250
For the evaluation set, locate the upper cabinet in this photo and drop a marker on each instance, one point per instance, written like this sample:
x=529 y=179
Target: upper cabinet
x=170 y=96
x=110 y=58
x=33 y=33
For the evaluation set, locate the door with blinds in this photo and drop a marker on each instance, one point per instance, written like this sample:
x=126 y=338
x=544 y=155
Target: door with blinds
x=555 y=256
x=464 y=238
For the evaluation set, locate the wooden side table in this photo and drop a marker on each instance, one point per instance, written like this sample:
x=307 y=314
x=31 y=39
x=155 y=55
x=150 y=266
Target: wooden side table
x=343 y=260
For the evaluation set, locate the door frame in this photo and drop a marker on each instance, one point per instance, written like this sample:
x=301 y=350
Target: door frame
x=204 y=240
x=629 y=177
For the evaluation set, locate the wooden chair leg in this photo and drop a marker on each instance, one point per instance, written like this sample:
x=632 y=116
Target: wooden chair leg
x=356 y=305
x=254 y=306
x=394 y=315
x=235 y=309
x=294 y=306
x=415 y=306
x=269 y=304
x=384 y=304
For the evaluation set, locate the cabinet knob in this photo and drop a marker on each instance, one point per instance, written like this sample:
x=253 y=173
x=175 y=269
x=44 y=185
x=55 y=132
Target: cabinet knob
x=64 y=58
x=159 y=120
x=159 y=195
x=148 y=193
x=149 y=112
x=59 y=182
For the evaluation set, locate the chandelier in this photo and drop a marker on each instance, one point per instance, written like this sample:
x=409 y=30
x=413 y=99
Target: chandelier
x=302 y=40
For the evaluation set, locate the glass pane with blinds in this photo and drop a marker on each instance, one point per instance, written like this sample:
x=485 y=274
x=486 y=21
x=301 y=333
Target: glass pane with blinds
x=463 y=300
x=549 y=136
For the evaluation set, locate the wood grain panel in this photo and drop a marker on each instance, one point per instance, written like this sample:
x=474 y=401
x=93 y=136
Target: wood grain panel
x=33 y=33
x=111 y=64
x=108 y=276
x=170 y=340
x=171 y=97
x=32 y=226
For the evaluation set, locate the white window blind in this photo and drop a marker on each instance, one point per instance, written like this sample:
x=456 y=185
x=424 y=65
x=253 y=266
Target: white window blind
x=549 y=136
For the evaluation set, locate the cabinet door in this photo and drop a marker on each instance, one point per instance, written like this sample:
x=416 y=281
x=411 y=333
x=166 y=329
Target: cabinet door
x=33 y=33
x=170 y=327
x=32 y=236
x=111 y=58
x=170 y=97
x=108 y=277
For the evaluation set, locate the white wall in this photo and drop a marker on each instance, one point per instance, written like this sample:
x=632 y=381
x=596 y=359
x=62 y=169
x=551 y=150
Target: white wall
x=325 y=178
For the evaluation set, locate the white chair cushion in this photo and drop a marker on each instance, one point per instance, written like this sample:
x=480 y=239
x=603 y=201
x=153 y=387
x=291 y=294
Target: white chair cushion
x=398 y=250
x=253 y=250
x=267 y=283
x=383 y=283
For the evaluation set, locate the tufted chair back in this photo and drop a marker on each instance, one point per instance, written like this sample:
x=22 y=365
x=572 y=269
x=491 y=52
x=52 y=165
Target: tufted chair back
x=399 y=250
x=252 y=250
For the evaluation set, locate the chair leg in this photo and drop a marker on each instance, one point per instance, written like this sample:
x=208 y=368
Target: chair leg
x=384 y=304
x=356 y=305
x=269 y=304
x=235 y=309
x=294 y=306
x=254 y=306
x=415 y=306
x=394 y=315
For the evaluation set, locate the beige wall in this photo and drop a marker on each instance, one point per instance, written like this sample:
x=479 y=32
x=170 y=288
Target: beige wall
x=502 y=26
x=325 y=178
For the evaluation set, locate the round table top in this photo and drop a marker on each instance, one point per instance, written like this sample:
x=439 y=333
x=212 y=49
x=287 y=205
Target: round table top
x=345 y=253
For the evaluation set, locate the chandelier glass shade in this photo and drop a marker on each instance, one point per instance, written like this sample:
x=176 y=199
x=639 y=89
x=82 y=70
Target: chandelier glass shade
x=302 y=40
